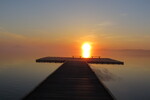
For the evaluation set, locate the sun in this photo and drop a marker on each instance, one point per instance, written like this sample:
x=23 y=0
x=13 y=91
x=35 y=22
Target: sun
x=86 y=50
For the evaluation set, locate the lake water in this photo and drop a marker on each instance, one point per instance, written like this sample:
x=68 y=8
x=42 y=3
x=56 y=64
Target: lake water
x=18 y=76
x=126 y=82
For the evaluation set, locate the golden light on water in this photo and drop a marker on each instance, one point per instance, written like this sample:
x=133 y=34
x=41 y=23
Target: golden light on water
x=86 y=50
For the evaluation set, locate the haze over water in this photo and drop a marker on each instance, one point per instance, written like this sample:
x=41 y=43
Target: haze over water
x=20 y=75
x=31 y=29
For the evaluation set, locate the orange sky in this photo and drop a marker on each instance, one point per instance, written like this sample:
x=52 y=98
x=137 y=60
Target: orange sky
x=61 y=27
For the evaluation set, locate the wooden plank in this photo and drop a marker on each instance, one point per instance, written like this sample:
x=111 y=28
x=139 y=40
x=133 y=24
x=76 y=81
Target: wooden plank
x=88 y=60
x=74 y=80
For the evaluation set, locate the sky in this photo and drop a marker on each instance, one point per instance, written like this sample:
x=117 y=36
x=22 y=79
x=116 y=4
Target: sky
x=61 y=26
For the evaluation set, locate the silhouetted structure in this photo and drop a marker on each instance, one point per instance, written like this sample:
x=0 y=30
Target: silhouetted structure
x=88 y=60
x=74 y=80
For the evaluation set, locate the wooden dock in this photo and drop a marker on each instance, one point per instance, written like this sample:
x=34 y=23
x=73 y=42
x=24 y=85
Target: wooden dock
x=88 y=60
x=74 y=80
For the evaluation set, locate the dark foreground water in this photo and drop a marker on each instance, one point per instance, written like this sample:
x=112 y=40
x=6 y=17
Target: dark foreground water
x=18 y=76
x=127 y=82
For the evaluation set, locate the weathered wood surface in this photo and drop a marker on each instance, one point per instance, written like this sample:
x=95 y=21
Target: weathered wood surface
x=88 y=60
x=74 y=80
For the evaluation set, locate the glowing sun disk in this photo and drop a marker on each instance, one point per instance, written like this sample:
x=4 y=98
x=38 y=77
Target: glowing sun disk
x=86 y=49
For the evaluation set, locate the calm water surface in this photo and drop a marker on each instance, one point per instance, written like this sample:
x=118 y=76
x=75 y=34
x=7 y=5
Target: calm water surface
x=18 y=76
x=127 y=82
